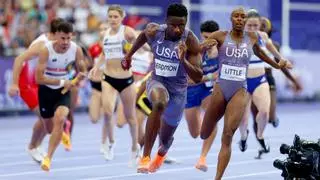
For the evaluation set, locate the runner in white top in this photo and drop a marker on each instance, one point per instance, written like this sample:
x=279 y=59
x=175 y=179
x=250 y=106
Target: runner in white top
x=24 y=85
x=56 y=60
x=116 y=80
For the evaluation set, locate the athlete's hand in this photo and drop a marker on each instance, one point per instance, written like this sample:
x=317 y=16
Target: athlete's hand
x=207 y=44
x=81 y=76
x=67 y=85
x=126 y=63
x=182 y=50
x=285 y=64
x=13 y=90
x=93 y=73
x=297 y=86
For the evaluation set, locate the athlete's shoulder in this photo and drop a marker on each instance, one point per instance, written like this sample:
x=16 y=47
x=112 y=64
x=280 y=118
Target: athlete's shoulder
x=129 y=30
x=152 y=29
x=40 y=40
x=263 y=35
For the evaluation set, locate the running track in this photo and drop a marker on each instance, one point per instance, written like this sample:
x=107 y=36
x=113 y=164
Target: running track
x=85 y=162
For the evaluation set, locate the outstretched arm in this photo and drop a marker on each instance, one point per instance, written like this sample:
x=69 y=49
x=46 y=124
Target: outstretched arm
x=262 y=55
x=149 y=32
x=131 y=37
x=286 y=71
x=33 y=51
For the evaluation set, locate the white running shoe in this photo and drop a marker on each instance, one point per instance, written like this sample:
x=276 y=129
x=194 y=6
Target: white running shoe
x=35 y=154
x=109 y=153
x=42 y=152
x=103 y=148
x=135 y=156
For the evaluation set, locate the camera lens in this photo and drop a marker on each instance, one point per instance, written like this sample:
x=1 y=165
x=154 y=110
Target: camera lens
x=279 y=164
x=284 y=149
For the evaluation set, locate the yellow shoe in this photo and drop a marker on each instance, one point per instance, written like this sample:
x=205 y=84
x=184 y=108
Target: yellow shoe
x=201 y=164
x=156 y=163
x=45 y=164
x=65 y=140
x=143 y=166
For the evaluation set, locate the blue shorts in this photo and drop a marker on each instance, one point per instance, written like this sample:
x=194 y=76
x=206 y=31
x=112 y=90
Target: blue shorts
x=253 y=83
x=173 y=113
x=196 y=94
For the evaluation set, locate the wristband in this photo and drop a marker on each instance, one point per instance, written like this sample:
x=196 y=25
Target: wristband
x=62 y=82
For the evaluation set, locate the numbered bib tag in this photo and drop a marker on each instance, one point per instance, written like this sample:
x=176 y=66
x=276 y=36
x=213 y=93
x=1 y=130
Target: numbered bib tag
x=233 y=73
x=113 y=50
x=166 y=69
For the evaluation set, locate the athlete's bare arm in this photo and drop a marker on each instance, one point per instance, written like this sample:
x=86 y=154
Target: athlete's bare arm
x=261 y=54
x=80 y=64
x=148 y=33
x=143 y=37
x=269 y=45
x=218 y=36
x=287 y=73
x=131 y=36
x=31 y=52
x=193 y=62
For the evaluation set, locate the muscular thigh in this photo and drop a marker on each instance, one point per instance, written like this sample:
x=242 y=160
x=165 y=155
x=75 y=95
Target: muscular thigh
x=236 y=109
x=109 y=96
x=261 y=97
x=216 y=104
x=128 y=98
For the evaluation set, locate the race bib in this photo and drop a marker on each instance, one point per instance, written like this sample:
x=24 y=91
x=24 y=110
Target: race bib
x=113 y=51
x=166 y=69
x=233 y=73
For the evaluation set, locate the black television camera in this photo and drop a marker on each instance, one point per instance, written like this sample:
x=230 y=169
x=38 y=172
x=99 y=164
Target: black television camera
x=303 y=161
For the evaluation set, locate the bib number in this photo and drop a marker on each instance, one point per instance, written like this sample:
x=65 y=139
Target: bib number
x=166 y=69
x=233 y=73
x=113 y=51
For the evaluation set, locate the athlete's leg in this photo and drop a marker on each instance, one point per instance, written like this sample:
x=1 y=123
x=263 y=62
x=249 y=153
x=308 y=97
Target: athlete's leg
x=193 y=117
x=243 y=127
x=109 y=95
x=140 y=120
x=273 y=94
x=58 y=119
x=95 y=106
x=207 y=143
x=121 y=118
x=38 y=132
x=159 y=97
x=128 y=97
x=214 y=112
x=166 y=140
x=261 y=98
x=74 y=99
x=233 y=116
